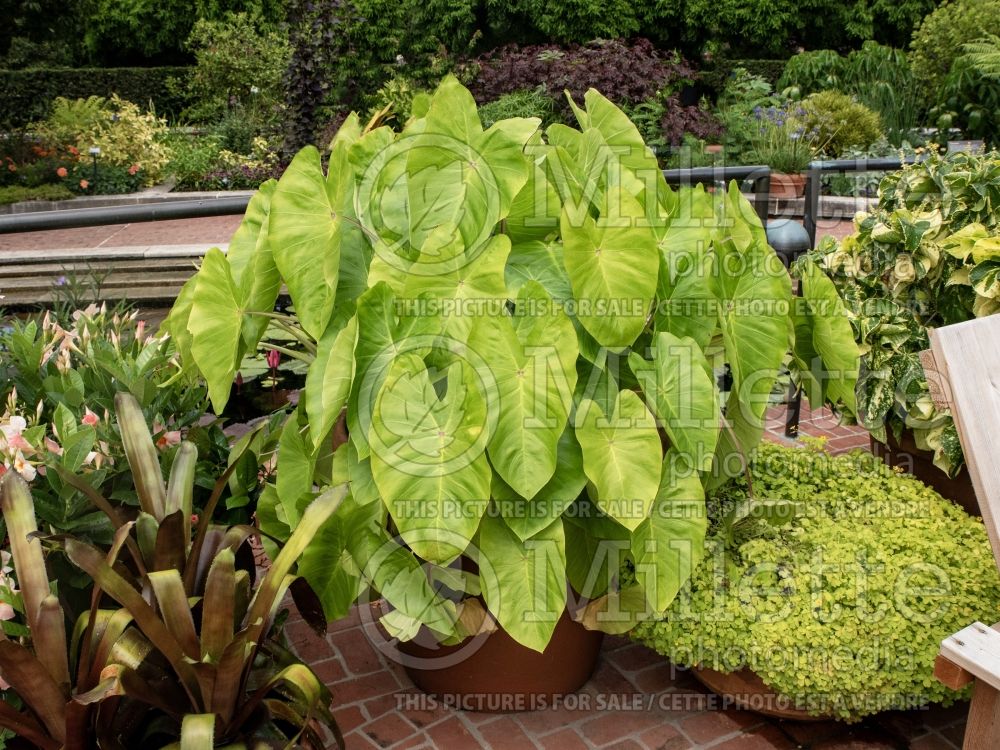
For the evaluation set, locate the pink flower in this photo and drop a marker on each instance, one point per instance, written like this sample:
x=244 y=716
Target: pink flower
x=53 y=447
x=89 y=418
x=273 y=359
x=194 y=519
x=167 y=438
x=61 y=172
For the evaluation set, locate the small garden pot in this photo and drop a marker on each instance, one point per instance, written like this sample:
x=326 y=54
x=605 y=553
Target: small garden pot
x=905 y=454
x=786 y=186
x=494 y=673
x=745 y=690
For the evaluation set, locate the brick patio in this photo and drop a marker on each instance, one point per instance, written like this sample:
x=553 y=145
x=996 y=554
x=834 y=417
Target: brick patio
x=377 y=706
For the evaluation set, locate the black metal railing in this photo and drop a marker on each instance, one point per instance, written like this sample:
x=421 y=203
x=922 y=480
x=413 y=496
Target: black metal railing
x=757 y=177
x=72 y=218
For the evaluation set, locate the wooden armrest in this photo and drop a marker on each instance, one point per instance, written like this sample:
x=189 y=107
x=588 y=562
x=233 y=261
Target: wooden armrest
x=970 y=654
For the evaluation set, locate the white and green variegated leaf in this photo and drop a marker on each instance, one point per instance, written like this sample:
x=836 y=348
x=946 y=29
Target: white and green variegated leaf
x=621 y=457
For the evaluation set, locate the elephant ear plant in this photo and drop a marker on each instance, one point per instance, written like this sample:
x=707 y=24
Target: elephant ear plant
x=178 y=647
x=524 y=330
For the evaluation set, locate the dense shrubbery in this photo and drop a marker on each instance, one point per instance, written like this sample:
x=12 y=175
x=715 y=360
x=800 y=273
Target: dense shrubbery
x=839 y=123
x=938 y=41
x=127 y=137
x=823 y=595
x=28 y=94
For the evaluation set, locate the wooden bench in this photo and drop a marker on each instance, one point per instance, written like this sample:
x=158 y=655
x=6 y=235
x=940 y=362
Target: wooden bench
x=141 y=274
x=963 y=373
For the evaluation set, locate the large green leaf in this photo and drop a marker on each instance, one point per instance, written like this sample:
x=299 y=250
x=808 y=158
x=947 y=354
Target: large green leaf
x=541 y=262
x=329 y=379
x=458 y=281
x=459 y=175
x=296 y=466
x=524 y=582
x=612 y=265
x=383 y=333
x=532 y=357
x=621 y=456
x=679 y=387
x=527 y=517
x=215 y=324
x=754 y=294
x=252 y=265
x=668 y=545
x=685 y=305
x=393 y=571
x=832 y=338
x=305 y=231
x=428 y=456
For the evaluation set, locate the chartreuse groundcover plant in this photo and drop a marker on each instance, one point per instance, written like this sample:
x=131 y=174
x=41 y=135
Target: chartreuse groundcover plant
x=177 y=647
x=523 y=329
x=841 y=606
x=928 y=255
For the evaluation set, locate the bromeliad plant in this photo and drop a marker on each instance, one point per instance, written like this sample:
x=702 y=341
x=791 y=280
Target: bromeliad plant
x=178 y=647
x=928 y=255
x=523 y=329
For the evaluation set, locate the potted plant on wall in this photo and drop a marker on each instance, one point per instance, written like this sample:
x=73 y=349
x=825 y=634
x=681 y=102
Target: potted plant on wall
x=783 y=143
x=522 y=330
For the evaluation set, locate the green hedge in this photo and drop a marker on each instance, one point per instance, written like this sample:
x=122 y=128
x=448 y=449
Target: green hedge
x=714 y=77
x=28 y=94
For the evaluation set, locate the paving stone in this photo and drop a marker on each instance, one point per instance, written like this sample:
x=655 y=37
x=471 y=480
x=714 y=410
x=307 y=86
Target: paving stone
x=609 y=727
x=664 y=736
x=451 y=733
x=505 y=733
x=564 y=739
x=713 y=725
x=352 y=689
x=329 y=670
x=634 y=658
x=933 y=741
x=387 y=730
x=356 y=651
x=348 y=717
x=761 y=738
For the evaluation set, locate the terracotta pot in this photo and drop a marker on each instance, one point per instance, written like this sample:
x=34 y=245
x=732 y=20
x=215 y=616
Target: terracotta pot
x=786 y=186
x=748 y=691
x=495 y=673
x=905 y=454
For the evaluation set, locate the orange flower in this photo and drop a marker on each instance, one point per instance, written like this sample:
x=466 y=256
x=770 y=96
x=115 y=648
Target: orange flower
x=62 y=172
x=133 y=169
x=73 y=150
x=84 y=184
x=12 y=167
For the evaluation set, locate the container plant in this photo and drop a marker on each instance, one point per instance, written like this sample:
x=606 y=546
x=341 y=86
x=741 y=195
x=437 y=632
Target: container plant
x=782 y=141
x=828 y=587
x=179 y=645
x=926 y=256
x=521 y=331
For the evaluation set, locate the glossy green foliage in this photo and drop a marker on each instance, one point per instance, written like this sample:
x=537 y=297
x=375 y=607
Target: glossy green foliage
x=521 y=331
